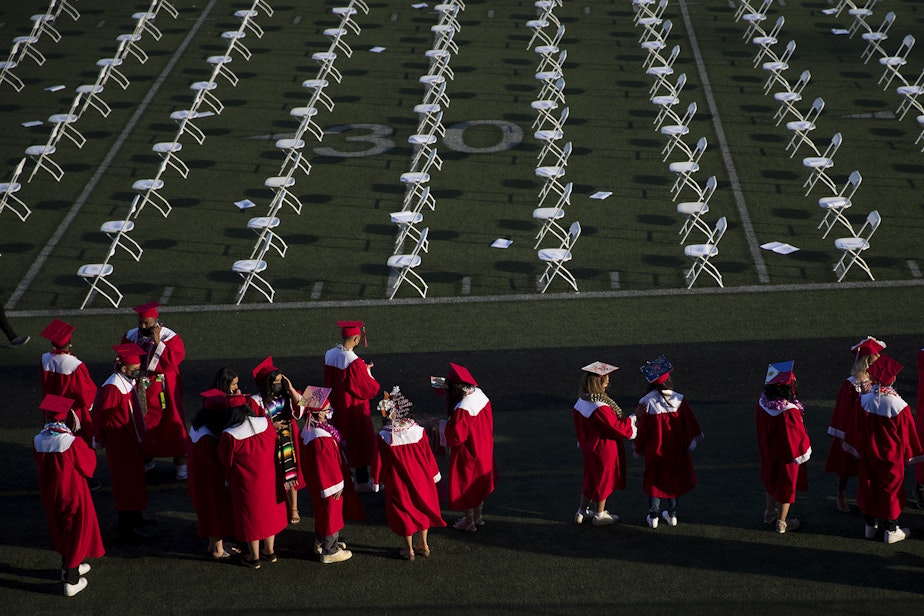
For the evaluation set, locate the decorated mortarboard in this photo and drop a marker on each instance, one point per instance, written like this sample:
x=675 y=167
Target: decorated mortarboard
x=314 y=398
x=55 y=407
x=129 y=353
x=599 y=368
x=147 y=311
x=657 y=370
x=884 y=370
x=460 y=374
x=395 y=407
x=214 y=399
x=780 y=372
x=867 y=346
x=348 y=329
x=263 y=369
x=58 y=332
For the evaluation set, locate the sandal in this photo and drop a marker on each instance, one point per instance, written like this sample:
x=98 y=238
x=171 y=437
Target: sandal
x=423 y=550
x=465 y=524
x=252 y=563
x=216 y=556
x=270 y=558
x=233 y=549
x=294 y=518
x=406 y=554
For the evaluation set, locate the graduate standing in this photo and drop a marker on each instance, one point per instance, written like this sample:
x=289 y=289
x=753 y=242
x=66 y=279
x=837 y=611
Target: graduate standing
x=160 y=388
x=64 y=463
x=119 y=429
x=65 y=375
x=352 y=386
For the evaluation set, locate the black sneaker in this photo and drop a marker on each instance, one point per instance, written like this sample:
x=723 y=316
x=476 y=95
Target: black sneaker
x=19 y=341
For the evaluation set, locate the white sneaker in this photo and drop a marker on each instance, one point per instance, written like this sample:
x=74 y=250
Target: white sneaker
x=894 y=536
x=72 y=589
x=337 y=557
x=579 y=516
x=317 y=547
x=149 y=466
x=652 y=521
x=670 y=519
x=604 y=518
x=182 y=472
x=870 y=531
x=82 y=569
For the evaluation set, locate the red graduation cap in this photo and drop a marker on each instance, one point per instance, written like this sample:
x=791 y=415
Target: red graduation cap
x=237 y=400
x=55 y=407
x=263 y=369
x=780 y=372
x=214 y=399
x=129 y=353
x=58 y=332
x=348 y=329
x=460 y=374
x=867 y=346
x=147 y=311
x=884 y=370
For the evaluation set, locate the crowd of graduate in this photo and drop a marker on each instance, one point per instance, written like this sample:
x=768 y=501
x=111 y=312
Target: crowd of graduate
x=245 y=457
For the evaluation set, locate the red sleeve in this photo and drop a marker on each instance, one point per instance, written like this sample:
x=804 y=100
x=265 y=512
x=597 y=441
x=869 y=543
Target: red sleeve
x=458 y=428
x=84 y=458
x=796 y=438
x=84 y=387
x=106 y=411
x=610 y=426
x=360 y=383
x=375 y=470
x=173 y=355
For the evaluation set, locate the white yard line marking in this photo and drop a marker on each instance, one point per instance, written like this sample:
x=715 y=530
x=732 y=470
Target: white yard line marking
x=737 y=192
x=39 y=262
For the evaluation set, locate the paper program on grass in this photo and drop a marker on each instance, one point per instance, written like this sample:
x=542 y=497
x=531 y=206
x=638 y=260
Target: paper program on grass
x=32 y=123
x=245 y=204
x=377 y=49
x=779 y=247
x=601 y=194
x=501 y=243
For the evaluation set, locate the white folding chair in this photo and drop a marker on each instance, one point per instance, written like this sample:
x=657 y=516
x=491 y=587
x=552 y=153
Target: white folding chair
x=247 y=17
x=325 y=60
x=552 y=175
x=852 y=247
x=676 y=132
x=144 y=22
x=220 y=64
x=263 y=226
x=550 y=62
x=346 y=14
x=407 y=221
x=651 y=21
x=449 y=15
x=294 y=158
x=338 y=41
x=95 y=274
x=424 y=141
x=538 y=26
x=803 y=126
x=169 y=154
x=695 y=210
x=63 y=6
x=744 y=7
x=6 y=70
x=26 y=46
x=317 y=93
x=402 y=267
x=777 y=66
x=766 y=42
x=549 y=217
x=661 y=72
x=860 y=15
x=789 y=97
x=45 y=23
x=755 y=18
x=555 y=259
x=306 y=115
x=41 y=155
x=439 y=63
x=702 y=253
x=415 y=181
x=280 y=186
x=875 y=38
x=834 y=206
x=117 y=231
x=250 y=270
x=157 y=6
x=666 y=102
x=424 y=198
x=8 y=190
x=894 y=64
x=554 y=93
x=443 y=38
x=548 y=51
x=685 y=169
x=203 y=96
x=67 y=121
x=818 y=165
x=435 y=94
x=148 y=190
x=910 y=94
x=549 y=137
x=185 y=122
x=656 y=44
x=235 y=40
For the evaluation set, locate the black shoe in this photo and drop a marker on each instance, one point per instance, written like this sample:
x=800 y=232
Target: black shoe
x=94 y=485
x=19 y=341
x=919 y=494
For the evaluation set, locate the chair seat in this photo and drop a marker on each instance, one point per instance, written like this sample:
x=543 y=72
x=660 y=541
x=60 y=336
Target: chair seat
x=546 y=50
x=649 y=21
x=263 y=222
x=548 y=213
x=403 y=261
x=686 y=166
x=701 y=250
x=233 y=34
x=415 y=177
x=427 y=108
x=246 y=266
x=218 y=59
x=131 y=37
x=665 y=100
x=290 y=144
x=437 y=53
x=653 y=45
x=775 y=66
x=315 y=83
x=859 y=12
x=548 y=134
x=800 y=125
x=109 y=62
x=92 y=270
x=245 y=13
x=148 y=185
x=421 y=139
x=818 y=162
x=548 y=75
x=660 y=71
x=674 y=130
x=873 y=36
x=324 y=56
x=910 y=90
x=764 y=40
x=281 y=181
x=550 y=172
x=8 y=188
x=554 y=254
x=787 y=97
x=63 y=118
x=851 y=243
x=544 y=105
x=406 y=218
x=203 y=85
x=36 y=150
x=117 y=226
x=692 y=207
x=301 y=112
x=430 y=80
x=340 y=11
x=834 y=203
x=184 y=114
x=892 y=61
x=165 y=147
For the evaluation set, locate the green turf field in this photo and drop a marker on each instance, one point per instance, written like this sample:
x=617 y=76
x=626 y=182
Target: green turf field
x=482 y=308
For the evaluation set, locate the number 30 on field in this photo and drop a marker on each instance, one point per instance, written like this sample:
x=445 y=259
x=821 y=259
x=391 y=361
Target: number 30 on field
x=377 y=136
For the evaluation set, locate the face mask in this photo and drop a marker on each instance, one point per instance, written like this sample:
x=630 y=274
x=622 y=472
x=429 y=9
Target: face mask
x=133 y=374
x=146 y=331
x=277 y=388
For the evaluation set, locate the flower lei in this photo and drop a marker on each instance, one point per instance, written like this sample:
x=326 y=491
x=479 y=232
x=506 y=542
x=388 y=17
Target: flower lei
x=605 y=400
x=780 y=405
x=57 y=427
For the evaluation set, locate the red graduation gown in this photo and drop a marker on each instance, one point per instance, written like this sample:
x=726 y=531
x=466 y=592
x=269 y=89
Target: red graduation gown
x=470 y=438
x=119 y=428
x=885 y=439
x=256 y=402
x=784 y=449
x=667 y=433
x=839 y=461
x=352 y=386
x=64 y=464
x=206 y=483
x=600 y=434
x=247 y=452
x=165 y=436
x=321 y=466
x=65 y=375
x=919 y=415
x=406 y=467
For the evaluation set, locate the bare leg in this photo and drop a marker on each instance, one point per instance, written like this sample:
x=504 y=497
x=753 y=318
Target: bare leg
x=407 y=552
x=784 y=511
x=424 y=547
x=601 y=506
x=292 y=502
x=254 y=548
x=270 y=544
x=840 y=499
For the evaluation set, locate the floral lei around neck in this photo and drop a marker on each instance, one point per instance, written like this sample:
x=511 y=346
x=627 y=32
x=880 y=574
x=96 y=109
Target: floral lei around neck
x=780 y=405
x=57 y=427
x=605 y=400
x=885 y=390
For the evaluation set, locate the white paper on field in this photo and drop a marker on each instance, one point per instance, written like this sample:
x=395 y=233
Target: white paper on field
x=245 y=204
x=779 y=247
x=54 y=88
x=839 y=31
x=601 y=194
x=501 y=243
x=32 y=123
x=828 y=11
x=377 y=49
x=419 y=5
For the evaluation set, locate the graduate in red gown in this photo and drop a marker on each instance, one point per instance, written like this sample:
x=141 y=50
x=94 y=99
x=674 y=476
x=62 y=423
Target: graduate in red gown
x=667 y=435
x=118 y=423
x=65 y=375
x=207 y=490
x=165 y=434
x=783 y=443
x=322 y=466
x=600 y=427
x=839 y=461
x=405 y=466
x=278 y=400
x=247 y=451
x=885 y=440
x=919 y=422
x=352 y=386
x=64 y=463
x=469 y=435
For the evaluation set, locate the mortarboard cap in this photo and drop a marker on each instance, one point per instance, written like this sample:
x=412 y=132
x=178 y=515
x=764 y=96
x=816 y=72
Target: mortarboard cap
x=867 y=346
x=58 y=332
x=780 y=372
x=147 y=311
x=657 y=370
x=237 y=400
x=348 y=329
x=129 y=353
x=599 y=368
x=214 y=399
x=55 y=407
x=884 y=370
x=263 y=369
x=460 y=374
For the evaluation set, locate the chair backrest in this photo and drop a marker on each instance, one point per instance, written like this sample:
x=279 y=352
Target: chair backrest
x=787 y=53
x=666 y=26
x=833 y=146
x=872 y=223
x=688 y=116
x=720 y=226
x=887 y=22
x=681 y=82
x=777 y=26
x=429 y=162
x=765 y=6
x=698 y=151
x=905 y=49
x=853 y=182
x=18 y=172
x=673 y=57
x=817 y=105
x=711 y=185
x=565 y=155
x=574 y=232
x=804 y=78
x=565 y=113
x=421 y=241
x=559 y=34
